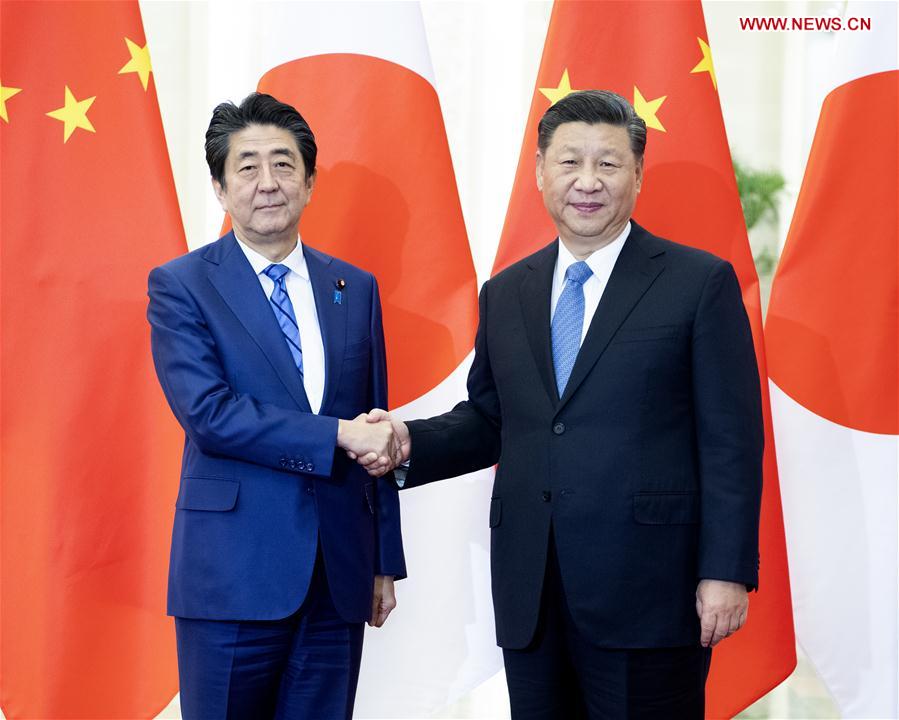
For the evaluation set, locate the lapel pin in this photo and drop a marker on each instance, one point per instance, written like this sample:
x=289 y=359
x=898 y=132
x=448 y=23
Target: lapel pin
x=340 y=284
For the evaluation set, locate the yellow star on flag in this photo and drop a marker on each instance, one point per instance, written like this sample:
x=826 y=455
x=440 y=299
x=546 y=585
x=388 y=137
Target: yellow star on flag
x=705 y=65
x=5 y=94
x=139 y=62
x=557 y=93
x=647 y=109
x=73 y=114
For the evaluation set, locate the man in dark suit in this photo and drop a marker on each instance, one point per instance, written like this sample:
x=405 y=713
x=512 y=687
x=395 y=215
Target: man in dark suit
x=615 y=382
x=282 y=548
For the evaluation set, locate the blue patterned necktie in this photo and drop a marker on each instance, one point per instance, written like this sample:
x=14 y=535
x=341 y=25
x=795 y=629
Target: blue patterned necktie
x=568 y=322
x=283 y=308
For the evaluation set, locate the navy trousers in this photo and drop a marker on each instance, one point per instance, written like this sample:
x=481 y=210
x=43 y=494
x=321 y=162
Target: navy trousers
x=304 y=667
x=562 y=675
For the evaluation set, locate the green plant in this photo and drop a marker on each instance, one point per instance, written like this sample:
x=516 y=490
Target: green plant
x=759 y=190
x=765 y=262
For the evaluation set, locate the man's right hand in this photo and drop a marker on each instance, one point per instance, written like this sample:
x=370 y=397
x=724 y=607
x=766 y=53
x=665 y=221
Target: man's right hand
x=375 y=465
x=365 y=438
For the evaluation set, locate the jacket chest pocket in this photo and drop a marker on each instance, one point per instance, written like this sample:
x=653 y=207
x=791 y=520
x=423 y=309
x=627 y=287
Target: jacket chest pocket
x=646 y=334
x=357 y=349
x=357 y=364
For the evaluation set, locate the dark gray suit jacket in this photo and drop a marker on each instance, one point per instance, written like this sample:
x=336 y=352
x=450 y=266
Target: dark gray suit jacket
x=648 y=469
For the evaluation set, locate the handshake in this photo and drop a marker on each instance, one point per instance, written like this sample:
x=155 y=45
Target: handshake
x=375 y=440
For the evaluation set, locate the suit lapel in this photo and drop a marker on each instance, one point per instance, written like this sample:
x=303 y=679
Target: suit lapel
x=233 y=277
x=536 y=290
x=635 y=270
x=332 y=317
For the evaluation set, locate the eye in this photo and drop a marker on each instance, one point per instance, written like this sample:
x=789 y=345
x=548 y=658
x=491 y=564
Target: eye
x=245 y=168
x=283 y=164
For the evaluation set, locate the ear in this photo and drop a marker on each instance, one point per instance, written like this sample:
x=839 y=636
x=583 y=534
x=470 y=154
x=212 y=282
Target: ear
x=310 y=184
x=219 y=193
x=539 y=168
x=639 y=174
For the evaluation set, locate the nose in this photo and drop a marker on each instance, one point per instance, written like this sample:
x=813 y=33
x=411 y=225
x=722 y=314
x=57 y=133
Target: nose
x=267 y=179
x=588 y=179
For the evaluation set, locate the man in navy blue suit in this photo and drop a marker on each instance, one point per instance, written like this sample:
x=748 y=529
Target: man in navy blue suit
x=266 y=349
x=615 y=382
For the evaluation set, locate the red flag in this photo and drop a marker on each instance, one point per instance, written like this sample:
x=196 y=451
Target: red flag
x=656 y=55
x=89 y=448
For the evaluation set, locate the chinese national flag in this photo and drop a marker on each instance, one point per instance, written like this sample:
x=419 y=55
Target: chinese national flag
x=89 y=448
x=656 y=54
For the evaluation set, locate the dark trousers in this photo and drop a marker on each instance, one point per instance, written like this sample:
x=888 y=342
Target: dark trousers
x=304 y=667
x=561 y=675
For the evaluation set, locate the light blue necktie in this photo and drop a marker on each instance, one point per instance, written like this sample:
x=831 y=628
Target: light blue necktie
x=283 y=308
x=568 y=322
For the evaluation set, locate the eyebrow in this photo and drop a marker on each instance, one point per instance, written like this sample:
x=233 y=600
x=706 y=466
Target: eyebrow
x=277 y=151
x=579 y=148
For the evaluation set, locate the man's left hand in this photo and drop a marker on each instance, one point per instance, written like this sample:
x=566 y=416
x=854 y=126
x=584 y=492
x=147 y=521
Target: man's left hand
x=722 y=607
x=383 y=600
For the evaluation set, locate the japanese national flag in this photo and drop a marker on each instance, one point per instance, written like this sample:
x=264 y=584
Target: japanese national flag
x=832 y=336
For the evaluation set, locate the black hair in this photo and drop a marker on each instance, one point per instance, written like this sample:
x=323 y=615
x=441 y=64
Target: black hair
x=255 y=109
x=593 y=106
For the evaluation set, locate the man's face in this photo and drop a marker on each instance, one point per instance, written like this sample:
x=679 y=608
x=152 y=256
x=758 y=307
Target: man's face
x=265 y=187
x=589 y=178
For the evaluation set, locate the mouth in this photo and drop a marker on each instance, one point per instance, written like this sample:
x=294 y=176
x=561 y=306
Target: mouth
x=587 y=208
x=270 y=207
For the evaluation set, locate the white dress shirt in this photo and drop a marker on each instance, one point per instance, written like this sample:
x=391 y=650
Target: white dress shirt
x=601 y=262
x=299 y=289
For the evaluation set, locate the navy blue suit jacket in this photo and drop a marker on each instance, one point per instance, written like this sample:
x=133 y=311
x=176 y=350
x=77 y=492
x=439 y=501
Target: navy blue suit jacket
x=648 y=468
x=261 y=481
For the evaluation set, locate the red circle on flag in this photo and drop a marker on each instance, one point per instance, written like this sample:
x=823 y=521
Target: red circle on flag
x=386 y=200
x=833 y=322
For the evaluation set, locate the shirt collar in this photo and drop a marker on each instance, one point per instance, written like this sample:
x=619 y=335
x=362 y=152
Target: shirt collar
x=600 y=261
x=296 y=261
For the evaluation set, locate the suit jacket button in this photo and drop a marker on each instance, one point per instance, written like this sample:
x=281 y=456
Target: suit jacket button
x=310 y=467
x=547 y=496
x=559 y=428
x=283 y=462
